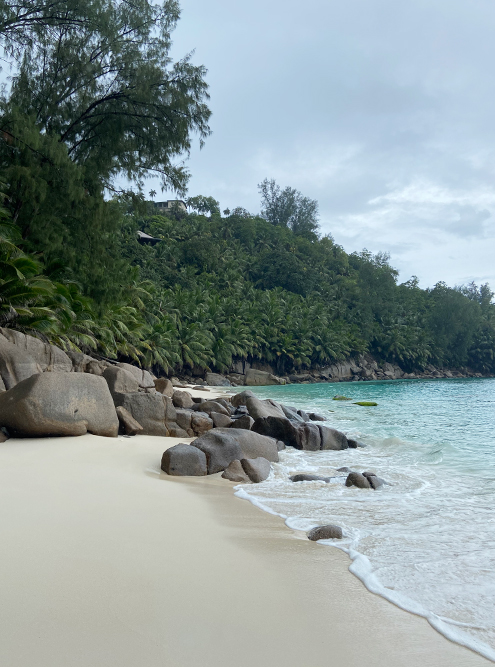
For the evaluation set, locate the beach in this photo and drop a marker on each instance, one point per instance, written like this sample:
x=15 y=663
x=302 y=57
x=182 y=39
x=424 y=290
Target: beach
x=106 y=560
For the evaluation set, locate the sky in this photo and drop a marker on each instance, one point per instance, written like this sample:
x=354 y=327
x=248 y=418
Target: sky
x=382 y=110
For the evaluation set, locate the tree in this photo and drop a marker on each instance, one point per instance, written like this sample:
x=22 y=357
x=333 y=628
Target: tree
x=105 y=85
x=288 y=208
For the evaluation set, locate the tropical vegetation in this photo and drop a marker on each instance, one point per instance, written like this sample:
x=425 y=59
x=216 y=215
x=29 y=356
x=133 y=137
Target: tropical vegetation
x=96 y=101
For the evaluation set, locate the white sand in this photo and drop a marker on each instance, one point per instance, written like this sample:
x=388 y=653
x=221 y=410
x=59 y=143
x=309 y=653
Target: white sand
x=106 y=562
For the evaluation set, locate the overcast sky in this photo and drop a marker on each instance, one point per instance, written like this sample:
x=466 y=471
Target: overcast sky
x=382 y=110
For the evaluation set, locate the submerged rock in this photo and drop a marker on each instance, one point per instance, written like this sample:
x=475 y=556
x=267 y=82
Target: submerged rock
x=366 y=404
x=305 y=477
x=341 y=398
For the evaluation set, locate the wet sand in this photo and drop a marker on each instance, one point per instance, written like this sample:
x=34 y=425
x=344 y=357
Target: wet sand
x=106 y=561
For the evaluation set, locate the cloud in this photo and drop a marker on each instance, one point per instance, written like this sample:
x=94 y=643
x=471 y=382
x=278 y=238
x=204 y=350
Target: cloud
x=381 y=111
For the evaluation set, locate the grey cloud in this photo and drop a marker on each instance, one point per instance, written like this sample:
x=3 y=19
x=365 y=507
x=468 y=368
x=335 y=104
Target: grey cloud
x=354 y=103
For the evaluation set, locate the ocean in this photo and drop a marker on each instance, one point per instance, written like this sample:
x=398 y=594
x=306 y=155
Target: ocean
x=426 y=540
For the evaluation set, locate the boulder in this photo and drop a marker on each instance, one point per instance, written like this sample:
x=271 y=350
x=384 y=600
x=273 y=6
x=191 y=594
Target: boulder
x=224 y=445
x=304 y=477
x=3 y=437
x=316 y=417
x=147 y=409
x=308 y=437
x=130 y=425
x=201 y=423
x=59 y=404
x=183 y=418
x=256 y=469
x=184 y=460
x=120 y=381
x=143 y=377
x=234 y=472
x=182 y=399
x=16 y=365
x=241 y=398
x=375 y=482
x=356 y=479
x=245 y=422
x=344 y=469
x=256 y=378
x=216 y=380
x=164 y=386
x=48 y=357
x=268 y=408
x=327 y=532
x=332 y=439
x=279 y=428
x=220 y=420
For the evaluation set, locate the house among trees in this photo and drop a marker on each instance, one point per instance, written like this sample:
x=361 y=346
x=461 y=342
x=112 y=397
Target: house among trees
x=144 y=238
x=170 y=204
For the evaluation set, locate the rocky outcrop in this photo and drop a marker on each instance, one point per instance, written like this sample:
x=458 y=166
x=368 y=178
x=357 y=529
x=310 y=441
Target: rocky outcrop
x=15 y=364
x=184 y=461
x=216 y=380
x=256 y=378
x=327 y=532
x=127 y=421
x=48 y=357
x=59 y=404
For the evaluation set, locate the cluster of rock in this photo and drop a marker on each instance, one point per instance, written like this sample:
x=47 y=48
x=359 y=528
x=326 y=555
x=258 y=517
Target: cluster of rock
x=45 y=391
x=364 y=367
x=256 y=431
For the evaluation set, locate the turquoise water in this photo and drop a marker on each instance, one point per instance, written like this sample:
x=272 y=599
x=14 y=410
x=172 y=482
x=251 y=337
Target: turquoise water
x=425 y=541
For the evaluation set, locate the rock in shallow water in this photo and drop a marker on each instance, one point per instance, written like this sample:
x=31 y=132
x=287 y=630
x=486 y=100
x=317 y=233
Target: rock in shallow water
x=256 y=469
x=356 y=479
x=304 y=477
x=327 y=532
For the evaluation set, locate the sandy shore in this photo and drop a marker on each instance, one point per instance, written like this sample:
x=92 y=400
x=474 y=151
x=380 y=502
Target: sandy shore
x=106 y=561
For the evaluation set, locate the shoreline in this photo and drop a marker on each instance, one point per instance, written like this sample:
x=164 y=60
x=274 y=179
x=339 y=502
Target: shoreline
x=117 y=563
